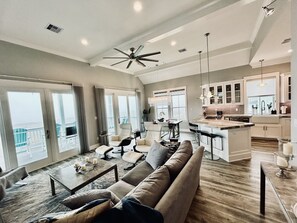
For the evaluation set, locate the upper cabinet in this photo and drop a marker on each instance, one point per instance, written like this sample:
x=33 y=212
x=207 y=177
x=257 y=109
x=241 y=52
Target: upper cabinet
x=234 y=92
x=224 y=93
x=286 y=86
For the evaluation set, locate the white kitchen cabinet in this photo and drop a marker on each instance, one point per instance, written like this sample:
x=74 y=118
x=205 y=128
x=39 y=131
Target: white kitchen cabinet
x=266 y=130
x=286 y=87
x=286 y=128
x=234 y=92
x=225 y=93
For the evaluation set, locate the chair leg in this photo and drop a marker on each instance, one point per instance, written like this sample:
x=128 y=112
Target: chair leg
x=129 y=167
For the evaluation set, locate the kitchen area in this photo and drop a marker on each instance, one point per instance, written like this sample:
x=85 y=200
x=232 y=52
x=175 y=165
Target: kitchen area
x=255 y=107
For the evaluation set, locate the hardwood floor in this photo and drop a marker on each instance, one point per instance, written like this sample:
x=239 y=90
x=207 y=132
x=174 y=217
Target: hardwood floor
x=230 y=192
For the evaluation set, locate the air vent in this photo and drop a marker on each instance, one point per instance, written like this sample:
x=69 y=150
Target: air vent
x=286 y=41
x=182 y=50
x=54 y=28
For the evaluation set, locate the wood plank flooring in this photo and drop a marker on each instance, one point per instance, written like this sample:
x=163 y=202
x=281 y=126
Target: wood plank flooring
x=230 y=192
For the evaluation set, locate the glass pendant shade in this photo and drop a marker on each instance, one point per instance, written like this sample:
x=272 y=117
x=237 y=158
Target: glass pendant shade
x=209 y=94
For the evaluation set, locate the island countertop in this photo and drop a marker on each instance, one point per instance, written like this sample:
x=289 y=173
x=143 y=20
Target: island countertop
x=222 y=124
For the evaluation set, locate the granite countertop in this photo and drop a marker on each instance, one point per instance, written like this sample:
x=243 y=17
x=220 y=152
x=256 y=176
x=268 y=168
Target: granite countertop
x=222 y=124
x=238 y=115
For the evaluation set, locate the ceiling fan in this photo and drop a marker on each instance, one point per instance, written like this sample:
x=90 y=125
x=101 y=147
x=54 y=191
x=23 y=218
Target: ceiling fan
x=134 y=56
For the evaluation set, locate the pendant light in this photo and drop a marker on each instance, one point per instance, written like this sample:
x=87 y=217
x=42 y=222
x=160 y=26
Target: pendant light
x=201 y=96
x=209 y=94
x=261 y=83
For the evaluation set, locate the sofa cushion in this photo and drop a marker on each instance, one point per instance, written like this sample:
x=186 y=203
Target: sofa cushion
x=80 y=199
x=121 y=188
x=152 y=188
x=179 y=158
x=138 y=173
x=156 y=155
x=176 y=202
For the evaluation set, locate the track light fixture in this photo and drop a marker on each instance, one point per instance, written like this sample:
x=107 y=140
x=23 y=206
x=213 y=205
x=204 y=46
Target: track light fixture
x=268 y=11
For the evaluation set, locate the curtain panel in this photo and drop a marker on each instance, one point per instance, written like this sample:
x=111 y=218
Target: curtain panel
x=81 y=118
x=101 y=115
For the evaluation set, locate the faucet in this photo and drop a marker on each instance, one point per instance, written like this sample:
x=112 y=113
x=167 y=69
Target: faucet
x=262 y=106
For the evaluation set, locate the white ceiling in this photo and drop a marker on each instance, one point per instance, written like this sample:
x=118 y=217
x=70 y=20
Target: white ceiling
x=239 y=32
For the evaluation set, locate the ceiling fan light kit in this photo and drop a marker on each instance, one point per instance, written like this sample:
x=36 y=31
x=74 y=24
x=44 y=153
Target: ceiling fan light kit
x=134 y=57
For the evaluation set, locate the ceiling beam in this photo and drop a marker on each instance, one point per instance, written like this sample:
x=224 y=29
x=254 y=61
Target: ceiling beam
x=195 y=58
x=202 y=10
x=267 y=23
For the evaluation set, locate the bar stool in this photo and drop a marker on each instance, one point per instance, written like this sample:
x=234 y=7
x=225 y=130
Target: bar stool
x=194 y=128
x=212 y=136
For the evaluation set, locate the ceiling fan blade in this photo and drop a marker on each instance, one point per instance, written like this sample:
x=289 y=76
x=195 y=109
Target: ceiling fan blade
x=115 y=58
x=122 y=52
x=138 y=50
x=137 y=60
x=129 y=64
x=119 y=62
x=146 y=59
x=149 y=54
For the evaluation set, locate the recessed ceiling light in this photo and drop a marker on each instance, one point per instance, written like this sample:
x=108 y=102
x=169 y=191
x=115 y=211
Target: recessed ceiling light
x=173 y=43
x=290 y=51
x=137 y=6
x=84 y=42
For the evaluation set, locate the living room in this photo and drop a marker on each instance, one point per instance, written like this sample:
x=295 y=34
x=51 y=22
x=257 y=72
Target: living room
x=48 y=68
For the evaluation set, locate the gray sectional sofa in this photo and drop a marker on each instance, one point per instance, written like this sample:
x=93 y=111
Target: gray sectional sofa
x=145 y=194
x=169 y=189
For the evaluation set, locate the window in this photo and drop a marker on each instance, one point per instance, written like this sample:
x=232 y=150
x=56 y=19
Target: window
x=171 y=104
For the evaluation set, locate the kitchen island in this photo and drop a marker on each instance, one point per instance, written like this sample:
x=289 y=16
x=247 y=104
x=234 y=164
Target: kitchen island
x=234 y=143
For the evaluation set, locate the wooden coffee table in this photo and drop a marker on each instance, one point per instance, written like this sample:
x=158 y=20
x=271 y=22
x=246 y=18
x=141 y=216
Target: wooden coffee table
x=73 y=181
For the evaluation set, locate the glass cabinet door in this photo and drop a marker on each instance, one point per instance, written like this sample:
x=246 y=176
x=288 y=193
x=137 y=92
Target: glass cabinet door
x=228 y=90
x=220 y=94
x=237 y=92
x=212 y=99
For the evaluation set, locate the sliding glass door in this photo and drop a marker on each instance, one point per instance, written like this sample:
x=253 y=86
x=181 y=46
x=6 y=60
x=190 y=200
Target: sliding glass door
x=65 y=122
x=39 y=124
x=121 y=107
x=28 y=126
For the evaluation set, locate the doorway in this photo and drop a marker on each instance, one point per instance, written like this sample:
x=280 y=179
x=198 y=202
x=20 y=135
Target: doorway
x=40 y=124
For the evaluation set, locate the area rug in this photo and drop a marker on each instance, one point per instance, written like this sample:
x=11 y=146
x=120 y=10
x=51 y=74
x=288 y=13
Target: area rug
x=26 y=203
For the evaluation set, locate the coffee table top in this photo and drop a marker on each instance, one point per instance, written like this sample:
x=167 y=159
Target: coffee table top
x=73 y=180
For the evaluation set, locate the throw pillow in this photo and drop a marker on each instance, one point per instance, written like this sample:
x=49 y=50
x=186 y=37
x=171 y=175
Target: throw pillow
x=177 y=161
x=78 y=200
x=152 y=188
x=131 y=212
x=88 y=211
x=156 y=155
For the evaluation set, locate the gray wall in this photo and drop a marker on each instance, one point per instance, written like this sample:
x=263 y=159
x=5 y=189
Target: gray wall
x=26 y=62
x=193 y=82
